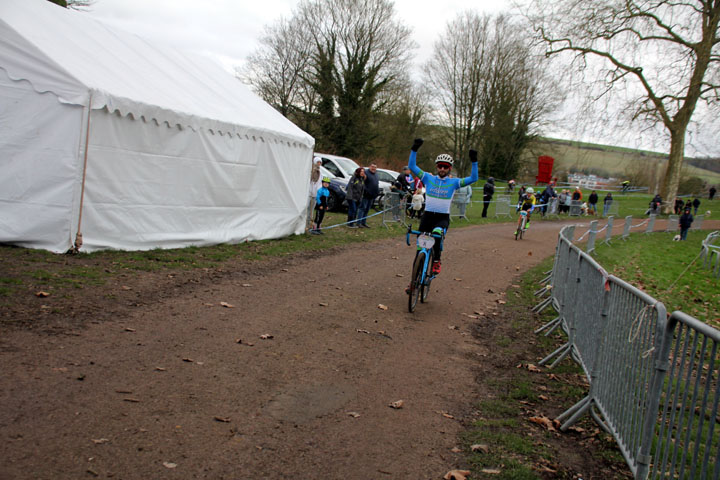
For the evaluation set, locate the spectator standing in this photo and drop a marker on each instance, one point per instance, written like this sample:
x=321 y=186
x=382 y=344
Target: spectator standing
x=488 y=191
x=592 y=203
x=404 y=186
x=711 y=192
x=688 y=204
x=696 y=205
x=354 y=195
x=521 y=194
x=561 y=201
x=372 y=188
x=678 y=207
x=686 y=219
x=577 y=194
x=607 y=202
x=321 y=205
x=545 y=197
x=568 y=202
x=315 y=185
x=655 y=204
x=511 y=185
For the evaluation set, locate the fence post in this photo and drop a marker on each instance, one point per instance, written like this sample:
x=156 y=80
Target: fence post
x=626 y=230
x=651 y=224
x=610 y=221
x=591 y=237
x=672 y=223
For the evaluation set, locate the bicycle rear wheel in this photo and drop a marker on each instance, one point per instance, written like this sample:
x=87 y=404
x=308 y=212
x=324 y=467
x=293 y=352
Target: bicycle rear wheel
x=425 y=287
x=416 y=280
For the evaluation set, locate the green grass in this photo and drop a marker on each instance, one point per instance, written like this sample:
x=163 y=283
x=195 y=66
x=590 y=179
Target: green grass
x=654 y=263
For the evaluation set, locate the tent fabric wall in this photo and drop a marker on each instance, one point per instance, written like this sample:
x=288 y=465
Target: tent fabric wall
x=155 y=185
x=179 y=153
x=39 y=170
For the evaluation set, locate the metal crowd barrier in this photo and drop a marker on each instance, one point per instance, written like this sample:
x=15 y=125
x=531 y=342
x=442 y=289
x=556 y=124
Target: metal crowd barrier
x=394 y=210
x=575 y=208
x=697 y=224
x=672 y=223
x=502 y=206
x=709 y=249
x=459 y=205
x=654 y=381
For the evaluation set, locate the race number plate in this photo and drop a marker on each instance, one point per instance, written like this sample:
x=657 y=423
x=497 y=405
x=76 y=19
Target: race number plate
x=426 y=241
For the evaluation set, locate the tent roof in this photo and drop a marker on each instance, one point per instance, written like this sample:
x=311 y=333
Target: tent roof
x=74 y=56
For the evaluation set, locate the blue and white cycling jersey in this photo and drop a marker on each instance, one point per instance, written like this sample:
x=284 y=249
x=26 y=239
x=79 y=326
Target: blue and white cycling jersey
x=439 y=191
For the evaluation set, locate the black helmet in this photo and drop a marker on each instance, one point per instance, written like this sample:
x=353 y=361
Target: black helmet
x=491 y=180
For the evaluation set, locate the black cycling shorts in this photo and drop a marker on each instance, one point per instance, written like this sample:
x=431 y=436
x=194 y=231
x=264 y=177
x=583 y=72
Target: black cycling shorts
x=431 y=220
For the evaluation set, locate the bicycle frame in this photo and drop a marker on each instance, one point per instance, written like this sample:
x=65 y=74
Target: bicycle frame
x=421 y=289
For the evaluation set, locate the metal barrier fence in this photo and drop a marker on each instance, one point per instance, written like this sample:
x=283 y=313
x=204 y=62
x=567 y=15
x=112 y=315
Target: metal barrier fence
x=395 y=208
x=459 y=205
x=502 y=206
x=654 y=381
x=709 y=249
x=672 y=223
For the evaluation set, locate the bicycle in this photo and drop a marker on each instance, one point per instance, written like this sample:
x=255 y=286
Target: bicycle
x=422 y=275
x=522 y=225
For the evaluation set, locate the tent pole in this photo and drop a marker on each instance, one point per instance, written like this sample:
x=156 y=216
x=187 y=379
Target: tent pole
x=78 y=235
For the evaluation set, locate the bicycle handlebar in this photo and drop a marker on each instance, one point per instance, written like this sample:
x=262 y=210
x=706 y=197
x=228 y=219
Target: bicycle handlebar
x=410 y=231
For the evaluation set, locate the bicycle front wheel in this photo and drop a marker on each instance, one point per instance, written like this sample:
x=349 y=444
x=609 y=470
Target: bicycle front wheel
x=416 y=280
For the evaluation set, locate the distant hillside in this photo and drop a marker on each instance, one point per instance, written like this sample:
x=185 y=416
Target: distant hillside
x=618 y=162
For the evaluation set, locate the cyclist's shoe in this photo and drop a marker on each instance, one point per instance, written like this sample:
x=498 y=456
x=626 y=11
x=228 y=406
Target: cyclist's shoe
x=436 y=267
x=516 y=231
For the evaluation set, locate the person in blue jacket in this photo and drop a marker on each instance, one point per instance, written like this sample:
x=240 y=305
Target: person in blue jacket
x=321 y=204
x=439 y=190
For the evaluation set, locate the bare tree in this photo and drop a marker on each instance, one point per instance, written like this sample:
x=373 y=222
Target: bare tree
x=331 y=62
x=656 y=59
x=454 y=75
x=489 y=89
x=276 y=70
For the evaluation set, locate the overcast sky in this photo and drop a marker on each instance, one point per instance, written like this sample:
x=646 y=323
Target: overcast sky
x=229 y=31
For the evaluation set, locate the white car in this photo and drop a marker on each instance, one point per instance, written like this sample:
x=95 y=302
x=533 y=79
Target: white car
x=343 y=169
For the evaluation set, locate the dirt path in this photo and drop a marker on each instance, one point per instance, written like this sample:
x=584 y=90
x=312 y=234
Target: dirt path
x=183 y=387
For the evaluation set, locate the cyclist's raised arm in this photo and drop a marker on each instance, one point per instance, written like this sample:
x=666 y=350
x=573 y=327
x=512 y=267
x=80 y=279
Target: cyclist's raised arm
x=412 y=163
x=473 y=171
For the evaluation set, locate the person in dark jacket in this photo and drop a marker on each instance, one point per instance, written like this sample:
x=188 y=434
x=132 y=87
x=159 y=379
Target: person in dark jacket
x=678 y=208
x=712 y=192
x=544 y=200
x=696 y=205
x=686 y=219
x=592 y=203
x=354 y=195
x=488 y=191
x=372 y=188
x=607 y=202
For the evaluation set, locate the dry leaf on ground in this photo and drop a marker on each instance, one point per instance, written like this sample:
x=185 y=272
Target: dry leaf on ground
x=491 y=471
x=246 y=285
x=100 y=441
x=218 y=418
x=533 y=368
x=169 y=465
x=397 y=404
x=227 y=305
x=545 y=422
x=323 y=304
x=456 y=475
x=42 y=294
x=266 y=336
x=382 y=307
x=353 y=414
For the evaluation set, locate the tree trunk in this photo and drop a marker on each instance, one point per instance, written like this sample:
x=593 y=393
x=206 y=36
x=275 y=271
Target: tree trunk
x=672 y=174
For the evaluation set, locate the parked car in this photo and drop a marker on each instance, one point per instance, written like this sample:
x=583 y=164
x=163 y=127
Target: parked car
x=342 y=169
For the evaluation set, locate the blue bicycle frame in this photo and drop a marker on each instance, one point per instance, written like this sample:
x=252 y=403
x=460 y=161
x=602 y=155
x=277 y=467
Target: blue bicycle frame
x=420 y=290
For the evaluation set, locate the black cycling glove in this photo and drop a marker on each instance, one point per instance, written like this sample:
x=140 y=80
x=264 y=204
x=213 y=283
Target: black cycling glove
x=473 y=156
x=416 y=144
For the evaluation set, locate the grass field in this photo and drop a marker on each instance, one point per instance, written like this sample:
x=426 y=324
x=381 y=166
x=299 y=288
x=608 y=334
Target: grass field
x=669 y=271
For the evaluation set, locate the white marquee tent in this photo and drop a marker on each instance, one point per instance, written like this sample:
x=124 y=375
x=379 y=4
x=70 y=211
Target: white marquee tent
x=132 y=145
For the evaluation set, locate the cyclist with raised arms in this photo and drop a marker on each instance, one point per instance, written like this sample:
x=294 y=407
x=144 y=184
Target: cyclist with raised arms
x=439 y=190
